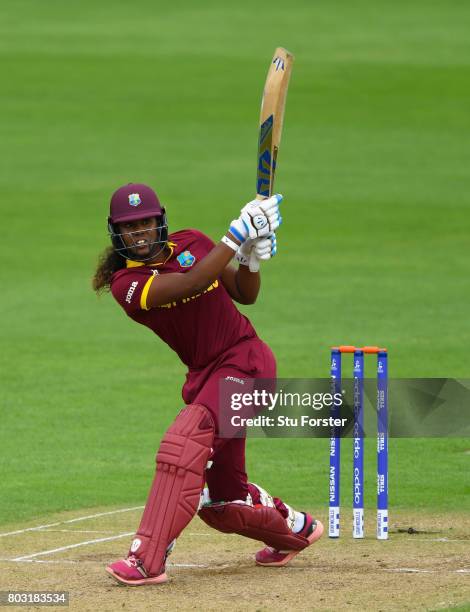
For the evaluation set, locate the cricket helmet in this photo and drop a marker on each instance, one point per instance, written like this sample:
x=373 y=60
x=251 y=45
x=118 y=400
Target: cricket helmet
x=132 y=202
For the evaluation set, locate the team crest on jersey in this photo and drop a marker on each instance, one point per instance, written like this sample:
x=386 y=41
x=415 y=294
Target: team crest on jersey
x=186 y=259
x=134 y=199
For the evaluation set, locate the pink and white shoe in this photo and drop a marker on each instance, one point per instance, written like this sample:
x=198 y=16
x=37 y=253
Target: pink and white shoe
x=130 y=571
x=270 y=557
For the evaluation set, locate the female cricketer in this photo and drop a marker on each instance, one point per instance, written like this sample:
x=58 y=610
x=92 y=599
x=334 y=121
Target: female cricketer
x=182 y=287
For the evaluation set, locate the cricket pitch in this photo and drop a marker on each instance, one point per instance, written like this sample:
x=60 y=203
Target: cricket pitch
x=427 y=569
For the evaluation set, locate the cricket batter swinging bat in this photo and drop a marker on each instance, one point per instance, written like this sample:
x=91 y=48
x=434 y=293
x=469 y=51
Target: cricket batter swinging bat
x=271 y=119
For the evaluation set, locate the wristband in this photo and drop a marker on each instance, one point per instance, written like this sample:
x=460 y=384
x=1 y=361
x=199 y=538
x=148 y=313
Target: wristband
x=230 y=243
x=233 y=230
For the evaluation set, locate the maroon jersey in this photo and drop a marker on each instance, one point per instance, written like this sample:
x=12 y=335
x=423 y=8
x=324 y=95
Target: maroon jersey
x=198 y=328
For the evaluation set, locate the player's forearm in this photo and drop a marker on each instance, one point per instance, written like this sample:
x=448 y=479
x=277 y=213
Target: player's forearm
x=176 y=286
x=248 y=284
x=257 y=219
x=208 y=269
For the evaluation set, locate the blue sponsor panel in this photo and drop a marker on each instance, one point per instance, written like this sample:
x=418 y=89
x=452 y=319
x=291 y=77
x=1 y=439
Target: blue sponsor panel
x=358 y=446
x=382 y=446
x=335 y=449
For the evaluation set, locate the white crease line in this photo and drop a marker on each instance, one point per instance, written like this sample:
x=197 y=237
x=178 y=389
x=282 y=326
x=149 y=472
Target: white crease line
x=10 y=533
x=443 y=540
x=413 y=570
x=410 y=570
x=217 y=567
x=80 y=518
x=190 y=565
x=43 y=561
x=208 y=535
x=463 y=540
x=77 y=530
x=90 y=516
x=198 y=565
x=49 y=561
x=62 y=548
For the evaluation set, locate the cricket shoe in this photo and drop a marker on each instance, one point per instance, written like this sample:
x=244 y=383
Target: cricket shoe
x=130 y=571
x=270 y=557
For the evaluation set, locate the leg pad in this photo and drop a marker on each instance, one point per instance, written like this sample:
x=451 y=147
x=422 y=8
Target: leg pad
x=259 y=523
x=174 y=497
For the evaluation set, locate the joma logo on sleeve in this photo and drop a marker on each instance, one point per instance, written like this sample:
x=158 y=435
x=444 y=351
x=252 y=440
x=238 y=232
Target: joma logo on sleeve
x=130 y=293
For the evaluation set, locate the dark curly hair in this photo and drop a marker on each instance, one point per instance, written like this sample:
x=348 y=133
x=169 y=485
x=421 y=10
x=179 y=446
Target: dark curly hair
x=108 y=263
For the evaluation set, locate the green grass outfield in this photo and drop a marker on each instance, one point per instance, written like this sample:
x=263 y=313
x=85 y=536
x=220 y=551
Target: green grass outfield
x=374 y=166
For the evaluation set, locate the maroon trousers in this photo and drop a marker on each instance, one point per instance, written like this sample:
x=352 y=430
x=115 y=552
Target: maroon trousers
x=250 y=359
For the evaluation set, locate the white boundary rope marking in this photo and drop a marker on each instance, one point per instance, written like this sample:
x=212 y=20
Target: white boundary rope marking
x=74 y=520
x=69 y=546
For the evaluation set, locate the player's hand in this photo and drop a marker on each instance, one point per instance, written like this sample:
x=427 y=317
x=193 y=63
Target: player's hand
x=245 y=250
x=251 y=252
x=258 y=218
x=265 y=248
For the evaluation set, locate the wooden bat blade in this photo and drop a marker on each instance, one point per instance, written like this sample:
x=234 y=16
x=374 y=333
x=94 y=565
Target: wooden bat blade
x=271 y=119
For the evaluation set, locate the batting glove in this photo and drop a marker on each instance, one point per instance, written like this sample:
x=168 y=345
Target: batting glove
x=265 y=248
x=258 y=218
x=251 y=252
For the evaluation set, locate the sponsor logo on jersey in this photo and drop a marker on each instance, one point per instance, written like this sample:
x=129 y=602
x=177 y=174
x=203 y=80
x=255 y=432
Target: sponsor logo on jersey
x=130 y=293
x=214 y=285
x=235 y=379
x=134 y=199
x=186 y=259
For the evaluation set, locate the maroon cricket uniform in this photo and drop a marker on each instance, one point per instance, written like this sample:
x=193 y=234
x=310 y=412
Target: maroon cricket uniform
x=210 y=336
x=198 y=328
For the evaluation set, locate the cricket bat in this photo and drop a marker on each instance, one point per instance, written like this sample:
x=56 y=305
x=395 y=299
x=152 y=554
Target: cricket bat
x=271 y=119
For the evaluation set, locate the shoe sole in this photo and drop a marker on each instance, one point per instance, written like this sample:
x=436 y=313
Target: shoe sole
x=313 y=537
x=151 y=580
